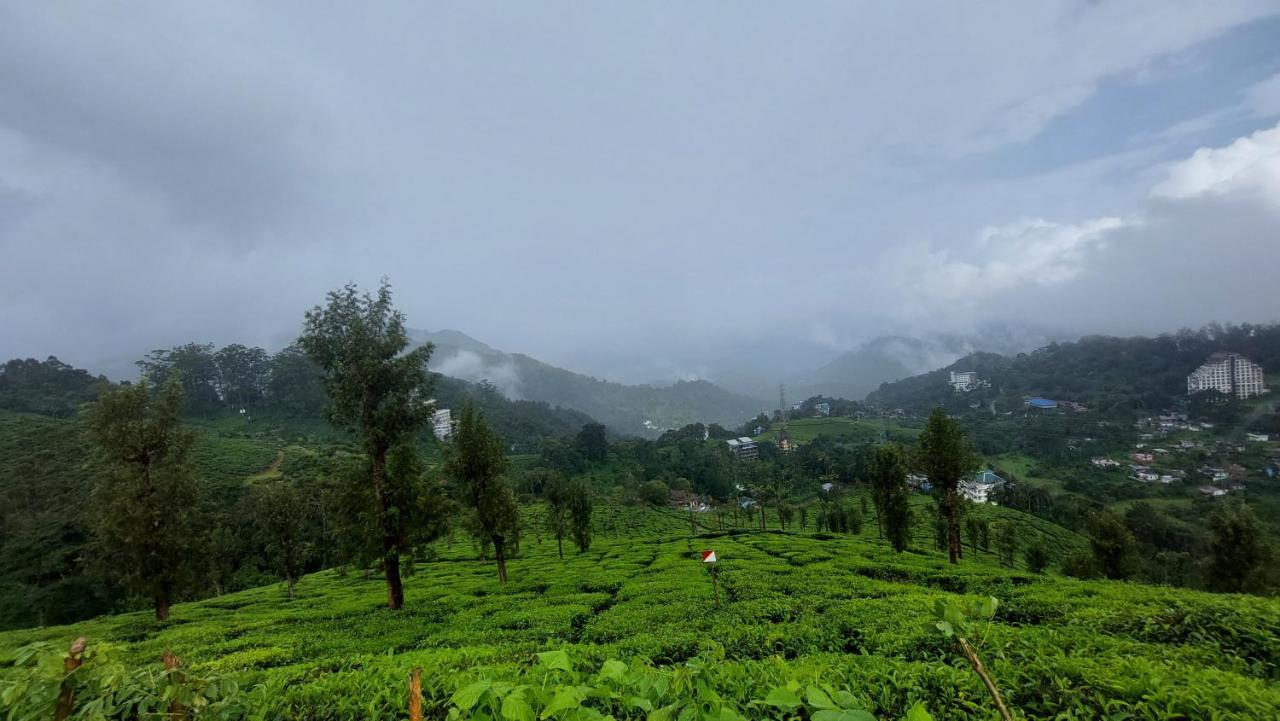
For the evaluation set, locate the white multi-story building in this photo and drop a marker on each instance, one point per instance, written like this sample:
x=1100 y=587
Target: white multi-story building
x=964 y=381
x=442 y=424
x=1230 y=374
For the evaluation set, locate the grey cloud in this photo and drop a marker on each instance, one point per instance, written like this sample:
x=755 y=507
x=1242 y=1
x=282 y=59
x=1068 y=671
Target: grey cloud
x=629 y=190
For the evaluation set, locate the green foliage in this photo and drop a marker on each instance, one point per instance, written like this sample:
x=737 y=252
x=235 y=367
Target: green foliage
x=580 y=509
x=1107 y=374
x=655 y=493
x=1037 y=557
x=946 y=457
x=280 y=515
x=840 y=613
x=1240 y=553
x=145 y=502
x=379 y=389
x=1007 y=543
x=888 y=475
x=592 y=442
x=1114 y=549
x=476 y=463
x=49 y=387
x=107 y=689
x=558 y=493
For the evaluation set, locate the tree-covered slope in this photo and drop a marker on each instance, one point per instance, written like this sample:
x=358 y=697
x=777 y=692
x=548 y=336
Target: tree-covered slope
x=47 y=574
x=627 y=409
x=844 y=615
x=1102 y=372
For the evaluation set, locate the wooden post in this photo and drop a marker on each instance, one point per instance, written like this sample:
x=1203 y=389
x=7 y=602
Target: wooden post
x=67 y=692
x=172 y=667
x=415 y=695
x=714 y=586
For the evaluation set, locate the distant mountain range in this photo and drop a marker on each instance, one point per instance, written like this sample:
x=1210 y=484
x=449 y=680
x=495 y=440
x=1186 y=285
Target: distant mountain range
x=644 y=409
x=889 y=358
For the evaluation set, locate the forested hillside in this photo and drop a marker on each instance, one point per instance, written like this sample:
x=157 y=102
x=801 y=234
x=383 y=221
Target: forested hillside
x=633 y=410
x=1106 y=374
x=48 y=569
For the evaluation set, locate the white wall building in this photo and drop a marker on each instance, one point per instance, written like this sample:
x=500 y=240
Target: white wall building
x=964 y=382
x=1228 y=373
x=442 y=424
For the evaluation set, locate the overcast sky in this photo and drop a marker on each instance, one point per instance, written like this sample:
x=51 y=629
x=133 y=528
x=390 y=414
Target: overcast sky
x=596 y=183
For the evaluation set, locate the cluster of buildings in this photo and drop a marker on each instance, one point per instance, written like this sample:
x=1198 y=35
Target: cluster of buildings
x=1230 y=374
x=965 y=381
x=743 y=448
x=977 y=489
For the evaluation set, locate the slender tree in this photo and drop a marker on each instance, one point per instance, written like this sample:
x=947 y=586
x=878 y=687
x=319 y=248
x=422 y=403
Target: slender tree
x=946 y=457
x=890 y=495
x=279 y=514
x=1007 y=542
x=592 y=442
x=476 y=462
x=146 y=499
x=1037 y=557
x=558 y=493
x=580 y=508
x=378 y=388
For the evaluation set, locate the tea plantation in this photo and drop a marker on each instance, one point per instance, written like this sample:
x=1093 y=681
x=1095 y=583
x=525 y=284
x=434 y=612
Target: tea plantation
x=809 y=626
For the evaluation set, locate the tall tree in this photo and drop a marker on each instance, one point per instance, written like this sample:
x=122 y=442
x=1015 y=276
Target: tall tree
x=592 y=442
x=146 y=500
x=946 y=457
x=476 y=462
x=194 y=364
x=242 y=373
x=377 y=388
x=280 y=517
x=890 y=494
x=1007 y=542
x=558 y=493
x=580 y=508
x=295 y=384
x=1240 y=554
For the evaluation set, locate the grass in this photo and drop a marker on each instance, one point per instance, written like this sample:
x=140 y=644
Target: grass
x=843 y=610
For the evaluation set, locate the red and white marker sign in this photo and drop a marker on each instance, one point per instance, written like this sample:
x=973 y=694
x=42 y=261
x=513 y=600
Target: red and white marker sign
x=708 y=556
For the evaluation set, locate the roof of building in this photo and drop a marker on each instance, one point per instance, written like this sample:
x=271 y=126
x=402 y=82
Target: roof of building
x=1042 y=403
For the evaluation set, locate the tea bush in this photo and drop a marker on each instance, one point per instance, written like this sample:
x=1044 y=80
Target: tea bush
x=828 y=628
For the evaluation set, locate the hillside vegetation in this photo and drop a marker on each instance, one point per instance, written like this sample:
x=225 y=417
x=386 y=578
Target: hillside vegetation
x=1107 y=374
x=843 y=615
x=629 y=409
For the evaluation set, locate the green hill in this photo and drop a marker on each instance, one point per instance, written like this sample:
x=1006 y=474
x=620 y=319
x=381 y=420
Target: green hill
x=641 y=410
x=1107 y=374
x=842 y=615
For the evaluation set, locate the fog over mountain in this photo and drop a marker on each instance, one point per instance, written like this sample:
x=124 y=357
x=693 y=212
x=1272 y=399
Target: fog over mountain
x=741 y=193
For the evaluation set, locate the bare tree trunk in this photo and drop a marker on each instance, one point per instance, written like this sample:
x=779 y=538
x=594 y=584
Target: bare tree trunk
x=290 y=581
x=162 y=607
x=391 y=554
x=953 y=529
x=500 y=554
x=560 y=546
